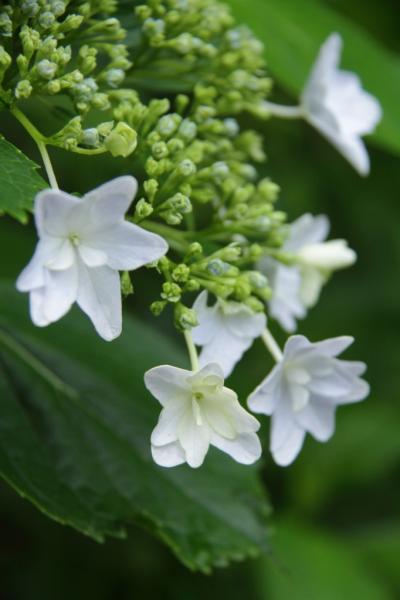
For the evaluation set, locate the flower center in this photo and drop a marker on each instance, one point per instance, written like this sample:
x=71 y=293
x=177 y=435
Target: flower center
x=196 y=398
x=74 y=239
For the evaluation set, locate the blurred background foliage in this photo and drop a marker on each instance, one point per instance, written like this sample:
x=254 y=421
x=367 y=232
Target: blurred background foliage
x=336 y=510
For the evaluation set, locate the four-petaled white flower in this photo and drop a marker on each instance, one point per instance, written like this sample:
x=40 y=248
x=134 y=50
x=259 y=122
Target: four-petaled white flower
x=296 y=288
x=334 y=102
x=83 y=244
x=198 y=411
x=302 y=391
x=225 y=331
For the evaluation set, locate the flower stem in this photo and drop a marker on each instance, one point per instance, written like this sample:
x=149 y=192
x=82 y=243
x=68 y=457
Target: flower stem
x=271 y=344
x=194 y=361
x=41 y=144
x=174 y=237
x=47 y=164
x=286 y=112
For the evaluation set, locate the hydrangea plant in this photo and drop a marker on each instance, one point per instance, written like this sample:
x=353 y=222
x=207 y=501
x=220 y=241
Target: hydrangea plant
x=165 y=85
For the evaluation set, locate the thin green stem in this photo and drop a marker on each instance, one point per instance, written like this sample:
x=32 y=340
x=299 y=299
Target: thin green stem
x=174 y=237
x=40 y=140
x=271 y=344
x=35 y=364
x=47 y=165
x=285 y=112
x=194 y=360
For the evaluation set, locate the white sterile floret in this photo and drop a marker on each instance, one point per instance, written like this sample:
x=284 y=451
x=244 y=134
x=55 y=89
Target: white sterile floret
x=296 y=287
x=83 y=243
x=334 y=102
x=303 y=390
x=225 y=331
x=198 y=411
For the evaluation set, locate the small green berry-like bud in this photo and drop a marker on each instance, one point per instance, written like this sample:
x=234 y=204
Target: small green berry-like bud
x=181 y=273
x=171 y=292
x=218 y=267
x=186 y=167
x=254 y=304
x=30 y=8
x=23 y=89
x=157 y=307
x=184 y=318
x=90 y=137
x=143 y=209
x=151 y=187
x=126 y=284
x=192 y=285
x=168 y=124
x=46 y=19
x=122 y=140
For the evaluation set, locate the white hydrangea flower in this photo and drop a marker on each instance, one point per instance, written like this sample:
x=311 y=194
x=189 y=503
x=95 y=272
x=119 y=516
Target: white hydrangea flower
x=297 y=287
x=303 y=390
x=83 y=243
x=225 y=331
x=334 y=102
x=198 y=411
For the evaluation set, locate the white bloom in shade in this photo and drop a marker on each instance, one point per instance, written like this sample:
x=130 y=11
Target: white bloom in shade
x=303 y=390
x=83 y=243
x=297 y=287
x=225 y=331
x=198 y=411
x=334 y=102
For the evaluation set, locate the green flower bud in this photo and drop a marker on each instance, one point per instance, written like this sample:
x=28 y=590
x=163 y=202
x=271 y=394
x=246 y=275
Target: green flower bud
x=159 y=150
x=157 y=307
x=181 y=273
x=218 y=267
x=254 y=304
x=23 y=89
x=187 y=130
x=192 y=285
x=268 y=189
x=122 y=140
x=115 y=77
x=126 y=284
x=90 y=137
x=186 y=168
x=184 y=318
x=30 y=8
x=46 y=68
x=143 y=209
x=168 y=124
x=171 y=292
x=151 y=187
x=242 y=288
x=46 y=19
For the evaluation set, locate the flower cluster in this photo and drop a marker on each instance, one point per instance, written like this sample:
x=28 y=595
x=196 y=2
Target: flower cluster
x=203 y=218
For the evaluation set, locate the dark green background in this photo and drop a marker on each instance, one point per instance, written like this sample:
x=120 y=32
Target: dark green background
x=337 y=519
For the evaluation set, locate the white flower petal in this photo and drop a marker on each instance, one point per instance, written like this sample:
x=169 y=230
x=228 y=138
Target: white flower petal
x=110 y=201
x=194 y=439
x=127 y=246
x=312 y=281
x=307 y=229
x=54 y=210
x=99 y=296
x=245 y=448
x=224 y=349
x=245 y=324
x=60 y=293
x=92 y=257
x=63 y=258
x=210 y=375
x=168 y=384
x=208 y=319
x=285 y=454
x=166 y=429
x=170 y=455
x=266 y=397
x=319 y=420
x=36 y=303
x=333 y=346
x=33 y=276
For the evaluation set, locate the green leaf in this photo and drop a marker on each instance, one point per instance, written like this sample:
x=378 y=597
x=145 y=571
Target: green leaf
x=75 y=423
x=312 y=565
x=293 y=31
x=19 y=181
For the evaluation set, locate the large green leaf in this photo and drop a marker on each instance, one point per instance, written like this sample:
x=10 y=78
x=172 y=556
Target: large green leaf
x=19 y=181
x=292 y=32
x=75 y=422
x=312 y=565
